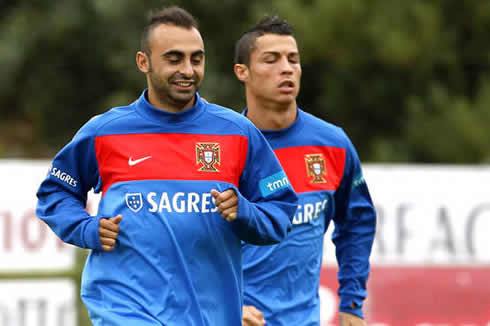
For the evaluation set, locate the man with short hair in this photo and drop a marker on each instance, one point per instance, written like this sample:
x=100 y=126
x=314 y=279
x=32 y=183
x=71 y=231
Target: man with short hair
x=281 y=281
x=183 y=182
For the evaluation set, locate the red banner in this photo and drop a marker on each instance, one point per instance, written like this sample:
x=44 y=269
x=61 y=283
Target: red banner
x=417 y=296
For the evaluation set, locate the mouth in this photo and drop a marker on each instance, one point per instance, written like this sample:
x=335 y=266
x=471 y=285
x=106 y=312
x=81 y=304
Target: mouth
x=286 y=86
x=184 y=84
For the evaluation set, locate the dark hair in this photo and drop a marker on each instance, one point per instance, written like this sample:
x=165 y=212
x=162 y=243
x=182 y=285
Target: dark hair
x=268 y=25
x=171 y=15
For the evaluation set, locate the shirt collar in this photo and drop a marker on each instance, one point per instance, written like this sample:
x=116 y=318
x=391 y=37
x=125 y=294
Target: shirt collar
x=144 y=108
x=272 y=133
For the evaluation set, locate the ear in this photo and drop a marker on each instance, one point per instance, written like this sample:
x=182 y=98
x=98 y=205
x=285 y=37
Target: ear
x=143 y=62
x=241 y=72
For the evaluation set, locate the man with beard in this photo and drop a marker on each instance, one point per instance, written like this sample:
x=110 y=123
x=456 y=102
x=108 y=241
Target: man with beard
x=281 y=282
x=183 y=182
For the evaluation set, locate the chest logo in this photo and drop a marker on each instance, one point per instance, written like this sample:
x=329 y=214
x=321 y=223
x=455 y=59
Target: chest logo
x=132 y=162
x=208 y=154
x=315 y=167
x=134 y=201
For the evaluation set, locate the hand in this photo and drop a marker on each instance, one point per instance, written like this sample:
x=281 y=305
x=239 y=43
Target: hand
x=252 y=316
x=108 y=231
x=346 y=319
x=227 y=203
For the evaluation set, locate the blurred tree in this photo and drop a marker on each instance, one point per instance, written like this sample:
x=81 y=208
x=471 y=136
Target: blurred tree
x=408 y=80
x=66 y=61
x=56 y=75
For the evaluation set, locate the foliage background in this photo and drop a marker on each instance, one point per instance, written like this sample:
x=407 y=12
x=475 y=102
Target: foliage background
x=409 y=81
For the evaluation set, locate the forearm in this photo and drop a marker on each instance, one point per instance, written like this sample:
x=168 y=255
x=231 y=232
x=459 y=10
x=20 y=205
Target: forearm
x=67 y=217
x=264 y=223
x=353 y=242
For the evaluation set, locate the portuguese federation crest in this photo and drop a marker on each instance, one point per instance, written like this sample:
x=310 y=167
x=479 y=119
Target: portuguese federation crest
x=315 y=167
x=208 y=154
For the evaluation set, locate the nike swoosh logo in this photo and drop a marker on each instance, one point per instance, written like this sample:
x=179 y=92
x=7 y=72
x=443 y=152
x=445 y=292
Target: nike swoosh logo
x=131 y=162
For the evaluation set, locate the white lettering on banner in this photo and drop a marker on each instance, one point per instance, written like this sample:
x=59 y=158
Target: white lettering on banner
x=37 y=303
x=181 y=202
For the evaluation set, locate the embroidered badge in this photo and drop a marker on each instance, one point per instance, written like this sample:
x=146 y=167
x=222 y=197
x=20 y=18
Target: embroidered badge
x=315 y=167
x=208 y=154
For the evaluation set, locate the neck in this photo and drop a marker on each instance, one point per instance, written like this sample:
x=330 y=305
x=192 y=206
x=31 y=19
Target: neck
x=271 y=115
x=164 y=104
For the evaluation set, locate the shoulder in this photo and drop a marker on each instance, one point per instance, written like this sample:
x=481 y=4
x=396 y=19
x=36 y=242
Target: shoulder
x=327 y=131
x=95 y=124
x=230 y=118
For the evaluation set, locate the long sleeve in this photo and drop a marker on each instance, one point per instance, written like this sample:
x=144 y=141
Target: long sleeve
x=62 y=196
x=267 y=202
x=355 y=224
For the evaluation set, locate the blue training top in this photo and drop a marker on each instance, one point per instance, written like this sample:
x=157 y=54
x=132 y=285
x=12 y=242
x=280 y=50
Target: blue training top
x=176 y=261
x=283 y=280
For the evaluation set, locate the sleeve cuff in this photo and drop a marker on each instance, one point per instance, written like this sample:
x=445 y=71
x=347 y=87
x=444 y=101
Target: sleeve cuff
x=243 y=213
x=351 y=305
x=91 y=234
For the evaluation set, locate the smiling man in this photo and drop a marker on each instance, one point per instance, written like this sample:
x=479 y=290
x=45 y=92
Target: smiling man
x=281 y=282
x=183 y=182
x=172 y=58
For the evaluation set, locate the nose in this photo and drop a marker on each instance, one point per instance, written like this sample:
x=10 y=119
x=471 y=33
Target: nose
x=186 y=69
x=286 y=66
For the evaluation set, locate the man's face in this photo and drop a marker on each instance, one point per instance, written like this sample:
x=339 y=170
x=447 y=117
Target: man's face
x=176 y=65
x=274 y=71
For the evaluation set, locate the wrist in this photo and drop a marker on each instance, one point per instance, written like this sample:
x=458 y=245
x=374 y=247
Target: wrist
x=352 y=305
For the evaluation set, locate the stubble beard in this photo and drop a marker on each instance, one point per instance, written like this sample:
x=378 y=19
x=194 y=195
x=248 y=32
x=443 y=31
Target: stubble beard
x=169 y=95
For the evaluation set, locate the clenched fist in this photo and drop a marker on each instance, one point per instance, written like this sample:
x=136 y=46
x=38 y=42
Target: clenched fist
x=252 y=316
x=108 y=232
x=227 y=203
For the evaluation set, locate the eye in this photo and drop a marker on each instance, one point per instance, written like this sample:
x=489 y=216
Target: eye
x=270 y=59
x=173 y=60
x=294 y=59
x=196 y=61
